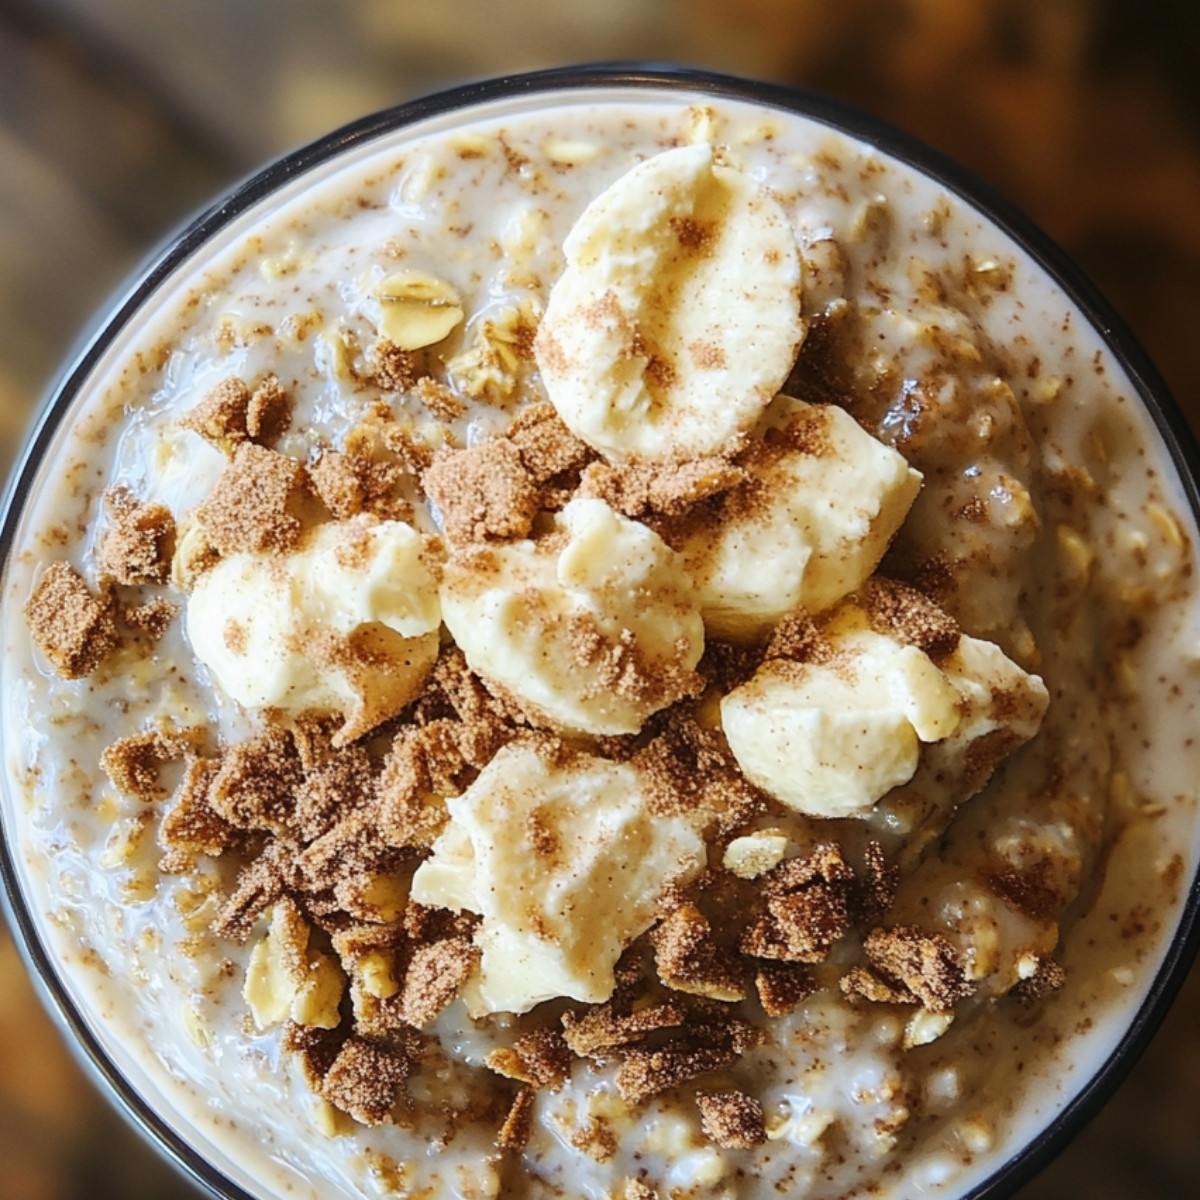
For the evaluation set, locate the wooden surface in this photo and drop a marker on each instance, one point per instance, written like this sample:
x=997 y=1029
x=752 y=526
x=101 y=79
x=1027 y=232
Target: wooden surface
x=119 y=117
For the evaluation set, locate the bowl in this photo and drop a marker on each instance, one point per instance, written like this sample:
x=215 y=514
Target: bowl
x=999 y=371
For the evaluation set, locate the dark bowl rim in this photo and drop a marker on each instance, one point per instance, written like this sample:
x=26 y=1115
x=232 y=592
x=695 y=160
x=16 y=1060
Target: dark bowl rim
x=650 y=76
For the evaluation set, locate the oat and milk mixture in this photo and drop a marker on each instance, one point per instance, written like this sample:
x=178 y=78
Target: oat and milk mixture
x=520 y=647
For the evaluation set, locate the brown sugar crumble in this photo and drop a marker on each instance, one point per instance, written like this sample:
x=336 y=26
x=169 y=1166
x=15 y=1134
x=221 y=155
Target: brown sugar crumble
x=391 y=367
x=732 y=1119
x=136 y=548
x=220 y=418
x=75 y=628
x=151 y=618
x=518 y=1124
x=132 y=763
x=250 y=508
x=364 y=1080
x=898 y=609
x=809 y=904
x=484 y=492
x=924 y=964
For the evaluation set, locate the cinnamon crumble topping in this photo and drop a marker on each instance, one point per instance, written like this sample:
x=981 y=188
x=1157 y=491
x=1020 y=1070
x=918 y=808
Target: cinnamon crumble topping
x=151 y=618
x=74 y=628
x=392 y=368
x=732 y=1119
x=251 y=506
x=514 y=1133
x=540 y=1058
x=483 y=492
x=808 y=908
x=364 y=1079
x=925 y=964
x=136 y=548
x=689 y=960
x=132 y=762
x=220 y=418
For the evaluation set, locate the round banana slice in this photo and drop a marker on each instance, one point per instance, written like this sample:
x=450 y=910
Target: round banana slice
x=677 y=318
x=565 y=863
x=592 y=628
x=831 y=736
x=829 y=739
x=825 y=501
x=347 y=623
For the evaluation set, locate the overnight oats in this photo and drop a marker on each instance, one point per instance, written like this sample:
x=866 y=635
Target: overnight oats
x=614 y=643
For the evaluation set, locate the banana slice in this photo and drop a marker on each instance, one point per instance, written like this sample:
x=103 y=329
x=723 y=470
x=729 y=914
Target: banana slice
x=566 y=865
x=348 y=623
x=677 y=318
x=830 y=736
x=825 y=501
x=592 y=628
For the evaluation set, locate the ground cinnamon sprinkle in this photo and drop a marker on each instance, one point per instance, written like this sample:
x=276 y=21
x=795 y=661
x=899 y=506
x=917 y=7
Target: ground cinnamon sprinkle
x=73 y=627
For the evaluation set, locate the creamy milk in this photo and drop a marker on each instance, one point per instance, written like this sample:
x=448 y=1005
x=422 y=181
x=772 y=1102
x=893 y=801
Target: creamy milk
x=1078 y=562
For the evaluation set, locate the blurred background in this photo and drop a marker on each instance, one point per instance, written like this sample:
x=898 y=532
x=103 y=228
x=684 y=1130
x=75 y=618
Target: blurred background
x=119 y=117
